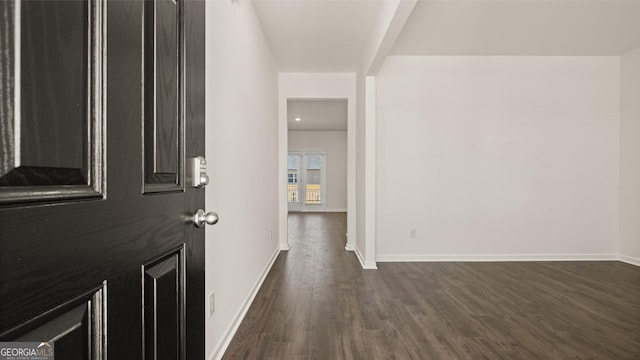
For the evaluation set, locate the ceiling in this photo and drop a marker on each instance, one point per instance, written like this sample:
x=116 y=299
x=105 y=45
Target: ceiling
x=550 y=27
x=332 y=35
x=318 y=36
x=318 y=115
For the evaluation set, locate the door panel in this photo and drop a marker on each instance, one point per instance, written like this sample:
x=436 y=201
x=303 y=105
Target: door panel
x=294 y=181
x=76 y=328
x=163 y=286
x=51 y=116
x=78 y=254
x=54 y=39
x=163 y=117
x=313 y=179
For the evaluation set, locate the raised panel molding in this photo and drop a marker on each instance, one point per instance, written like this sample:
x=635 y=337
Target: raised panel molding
x=33 y=159
x=163 y=119
x=77 y=328
x=164 y=307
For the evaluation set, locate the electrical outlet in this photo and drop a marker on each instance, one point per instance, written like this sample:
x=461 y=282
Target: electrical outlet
x=212 y=303
x=412 y=233
x=270 y=234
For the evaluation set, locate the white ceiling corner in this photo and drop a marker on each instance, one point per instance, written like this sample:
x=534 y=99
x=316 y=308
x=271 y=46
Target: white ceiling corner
x=335 y=35
x=521 y=27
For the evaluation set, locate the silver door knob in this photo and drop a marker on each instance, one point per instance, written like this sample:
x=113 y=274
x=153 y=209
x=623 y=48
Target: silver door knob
x=201 y=218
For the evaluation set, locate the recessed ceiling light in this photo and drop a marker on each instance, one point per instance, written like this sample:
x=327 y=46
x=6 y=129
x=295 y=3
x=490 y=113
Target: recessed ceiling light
x=298 y=118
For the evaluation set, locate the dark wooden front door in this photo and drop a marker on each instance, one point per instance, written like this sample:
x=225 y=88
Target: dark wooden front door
x=101 y=108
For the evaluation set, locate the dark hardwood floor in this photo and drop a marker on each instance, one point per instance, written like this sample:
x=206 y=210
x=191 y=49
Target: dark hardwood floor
x=318 y=303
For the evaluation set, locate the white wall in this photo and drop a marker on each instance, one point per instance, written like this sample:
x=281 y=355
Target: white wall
x=498 y=158
x=630 y=157
x=334 y=144
x=360 y=241
x=242 y=154
x=365 y=244
x=389 y=24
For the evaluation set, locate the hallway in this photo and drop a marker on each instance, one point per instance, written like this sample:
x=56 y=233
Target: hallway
x=317 y=303
x=297 y=312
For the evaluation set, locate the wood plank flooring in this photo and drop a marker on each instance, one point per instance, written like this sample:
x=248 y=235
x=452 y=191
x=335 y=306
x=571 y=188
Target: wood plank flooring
x=318 y=303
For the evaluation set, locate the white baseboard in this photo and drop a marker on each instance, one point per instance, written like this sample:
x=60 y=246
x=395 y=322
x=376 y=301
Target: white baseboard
x=367 y=266
x=630 y=260
x=495 y=258
x=284 y=247
x=349 y=247
x=219 y=350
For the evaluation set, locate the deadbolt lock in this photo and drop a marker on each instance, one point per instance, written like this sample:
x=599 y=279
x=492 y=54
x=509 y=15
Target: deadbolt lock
x=199 y=177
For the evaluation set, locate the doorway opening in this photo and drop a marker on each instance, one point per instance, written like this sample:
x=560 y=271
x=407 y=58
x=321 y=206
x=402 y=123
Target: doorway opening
x=338 y=89
x=317 y=155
